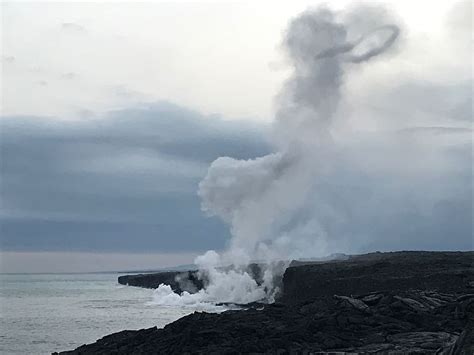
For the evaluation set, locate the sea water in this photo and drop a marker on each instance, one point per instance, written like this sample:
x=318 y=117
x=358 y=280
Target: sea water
x=42 y=313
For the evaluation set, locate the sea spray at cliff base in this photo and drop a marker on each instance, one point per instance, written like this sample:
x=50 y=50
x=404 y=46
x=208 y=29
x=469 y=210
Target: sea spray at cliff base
x=278 y=206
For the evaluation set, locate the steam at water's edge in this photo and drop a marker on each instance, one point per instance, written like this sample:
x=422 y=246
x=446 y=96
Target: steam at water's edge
x=281 y=206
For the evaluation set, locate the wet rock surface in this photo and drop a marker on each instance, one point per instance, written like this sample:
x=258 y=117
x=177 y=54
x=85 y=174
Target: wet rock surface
x=424 y=317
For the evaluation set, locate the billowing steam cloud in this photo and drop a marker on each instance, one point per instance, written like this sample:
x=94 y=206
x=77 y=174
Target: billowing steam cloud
x=264 y=200
x=279 y=206
x=269 y=202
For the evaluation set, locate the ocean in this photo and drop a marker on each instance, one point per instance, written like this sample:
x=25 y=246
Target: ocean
x=43 y=313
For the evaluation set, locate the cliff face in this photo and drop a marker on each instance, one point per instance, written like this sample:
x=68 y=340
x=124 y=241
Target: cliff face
x=388 y=303
x=179 y=281
x=357 y=274
x=378 y=272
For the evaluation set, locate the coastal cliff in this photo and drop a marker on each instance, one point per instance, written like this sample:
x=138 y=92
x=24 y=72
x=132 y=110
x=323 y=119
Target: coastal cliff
x=378 y=272
x=179 y=281
x=391 y=303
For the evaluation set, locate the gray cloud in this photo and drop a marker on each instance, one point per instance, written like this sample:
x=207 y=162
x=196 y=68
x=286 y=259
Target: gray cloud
x=72 y=27
x=8 y=59
x=127 y=181
x=444 y=103
x=459 y=19
x=124 y=182
x=68 y=76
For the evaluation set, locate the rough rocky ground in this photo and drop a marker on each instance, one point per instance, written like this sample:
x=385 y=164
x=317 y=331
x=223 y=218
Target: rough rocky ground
x=395 y=271
x=390 y=303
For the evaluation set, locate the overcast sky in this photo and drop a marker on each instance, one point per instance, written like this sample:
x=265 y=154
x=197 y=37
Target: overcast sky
x=112 y=113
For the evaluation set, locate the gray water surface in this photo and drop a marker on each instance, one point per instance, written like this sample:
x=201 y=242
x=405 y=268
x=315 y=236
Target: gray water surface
x=42 y=313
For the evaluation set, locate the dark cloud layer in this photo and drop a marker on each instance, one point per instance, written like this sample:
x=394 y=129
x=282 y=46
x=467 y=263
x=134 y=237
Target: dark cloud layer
x=127 y=182
x=124 y=182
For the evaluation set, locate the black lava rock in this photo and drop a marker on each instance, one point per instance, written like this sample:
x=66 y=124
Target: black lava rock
x=390 y=303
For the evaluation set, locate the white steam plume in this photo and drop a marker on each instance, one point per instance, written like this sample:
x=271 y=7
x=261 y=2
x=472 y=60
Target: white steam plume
x=278 y=206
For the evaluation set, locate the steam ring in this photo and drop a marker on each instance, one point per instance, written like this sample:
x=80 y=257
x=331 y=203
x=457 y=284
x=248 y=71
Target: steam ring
x=349 y=47
x=395 y=31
